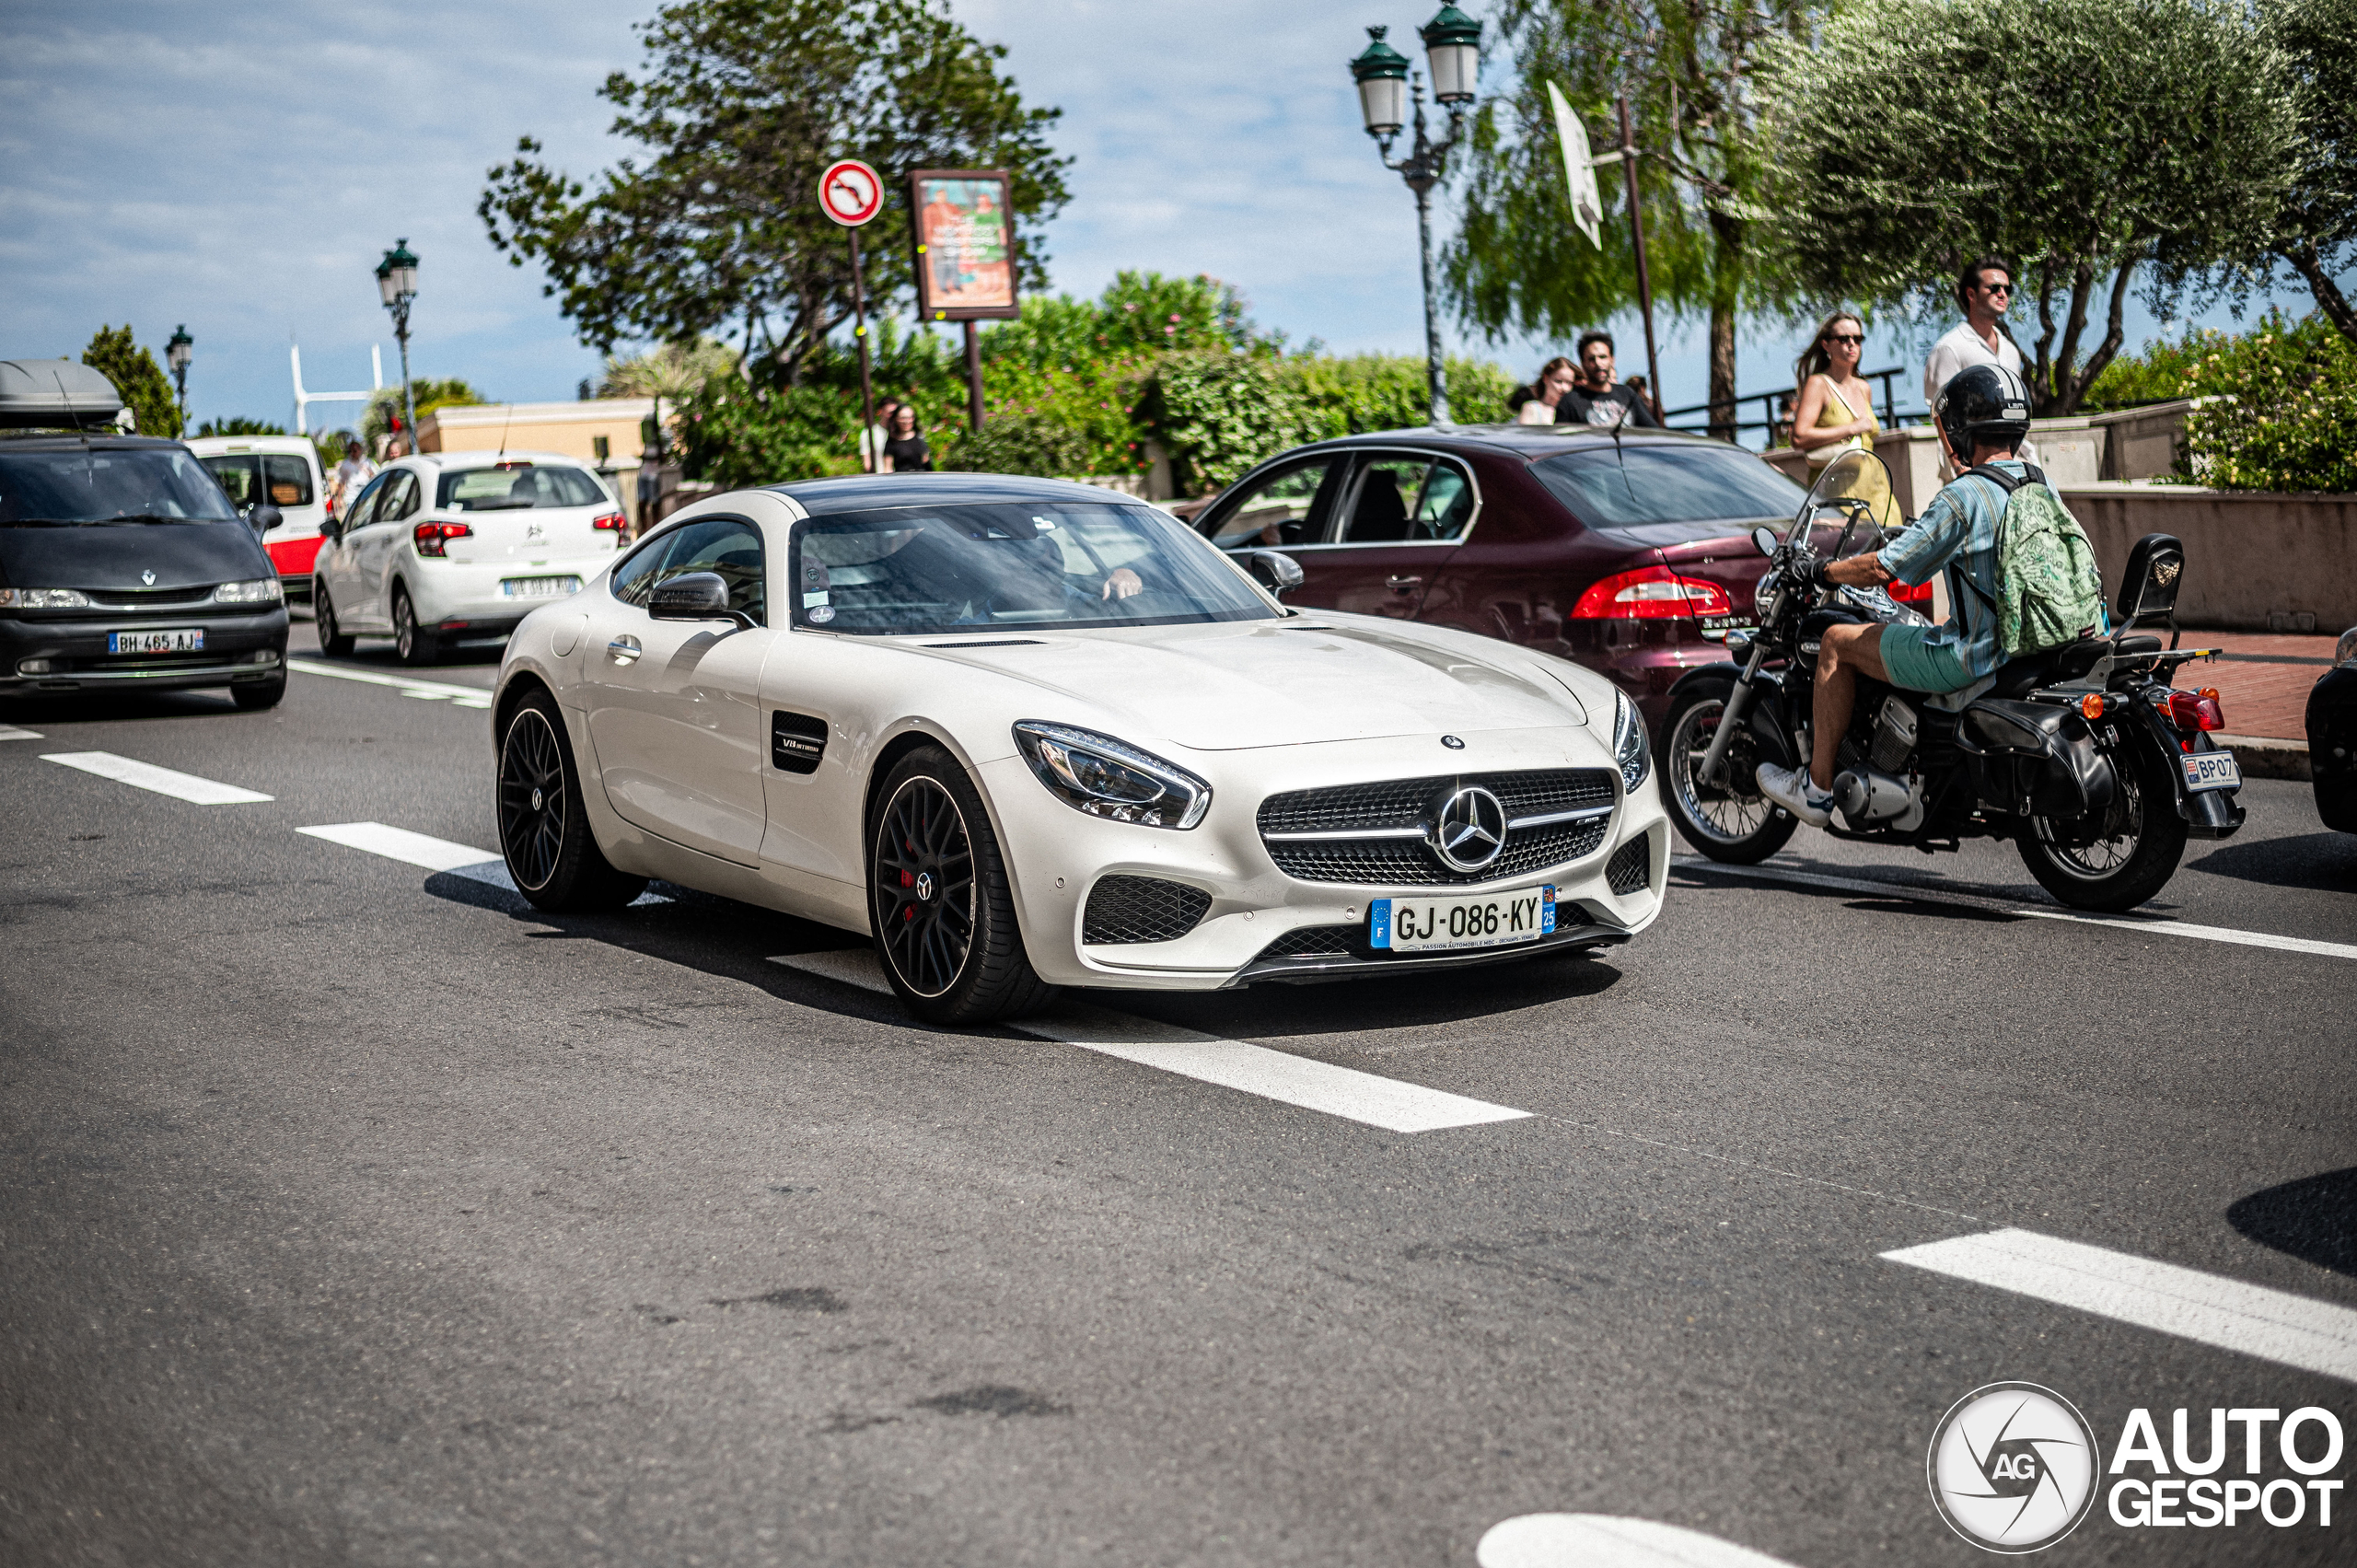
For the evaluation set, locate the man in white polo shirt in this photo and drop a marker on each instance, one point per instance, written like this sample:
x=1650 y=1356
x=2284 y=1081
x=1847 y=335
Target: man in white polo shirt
x=1983 y=293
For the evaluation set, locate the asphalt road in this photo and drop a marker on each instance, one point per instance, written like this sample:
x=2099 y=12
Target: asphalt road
x=356 y=1213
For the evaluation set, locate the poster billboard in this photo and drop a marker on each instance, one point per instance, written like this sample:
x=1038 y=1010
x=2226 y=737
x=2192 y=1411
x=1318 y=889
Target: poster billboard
x=965 y=239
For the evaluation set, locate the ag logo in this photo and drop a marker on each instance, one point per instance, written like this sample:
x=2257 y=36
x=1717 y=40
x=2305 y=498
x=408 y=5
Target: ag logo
x=2013 y=1468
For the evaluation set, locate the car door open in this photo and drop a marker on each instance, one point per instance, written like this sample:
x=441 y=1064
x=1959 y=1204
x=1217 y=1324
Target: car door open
x=675 y=715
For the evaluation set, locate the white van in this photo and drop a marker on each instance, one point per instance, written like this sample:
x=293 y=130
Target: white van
x=285 y=472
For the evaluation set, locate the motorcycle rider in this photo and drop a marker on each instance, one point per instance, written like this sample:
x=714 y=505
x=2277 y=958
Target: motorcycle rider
x=1982 y=416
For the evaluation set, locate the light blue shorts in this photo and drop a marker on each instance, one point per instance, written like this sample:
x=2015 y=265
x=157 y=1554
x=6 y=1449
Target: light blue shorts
x=1920 y=667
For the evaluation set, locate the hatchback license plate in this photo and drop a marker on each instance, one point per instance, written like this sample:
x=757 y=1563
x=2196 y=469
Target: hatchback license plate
x=2210 y=770
x=538 y=588
x=177 y=639
x=1479 y=920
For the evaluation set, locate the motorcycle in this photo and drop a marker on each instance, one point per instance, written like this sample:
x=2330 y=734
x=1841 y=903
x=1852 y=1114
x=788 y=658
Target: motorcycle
x=2085 y=755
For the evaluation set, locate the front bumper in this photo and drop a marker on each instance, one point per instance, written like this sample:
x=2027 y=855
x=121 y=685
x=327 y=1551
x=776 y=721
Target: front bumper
x=55 y=654
x=1056 y=855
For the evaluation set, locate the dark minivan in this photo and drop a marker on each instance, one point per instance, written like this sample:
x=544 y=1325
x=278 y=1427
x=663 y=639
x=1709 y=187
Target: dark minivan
x=123 y=564
x=1631 y=556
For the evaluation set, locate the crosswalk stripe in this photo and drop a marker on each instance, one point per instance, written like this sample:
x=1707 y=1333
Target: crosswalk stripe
x=1231 y=1064
x=163 y=780
x=408 y=686
x=2273 y=1324
x=435 y=854
x=10 y=732
x=1605 y=1540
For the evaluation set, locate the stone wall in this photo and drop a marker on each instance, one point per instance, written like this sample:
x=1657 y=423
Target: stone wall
x=2253 y=561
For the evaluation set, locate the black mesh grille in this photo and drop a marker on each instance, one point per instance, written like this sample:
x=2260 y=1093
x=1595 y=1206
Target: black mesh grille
x=1140 y=909
x=1411 y=863
x=1408 y=802
x=1319 y=942
x=1630 y=867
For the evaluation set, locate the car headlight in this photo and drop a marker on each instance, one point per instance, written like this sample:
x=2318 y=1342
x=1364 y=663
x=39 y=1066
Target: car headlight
x=1629 y=742
x=1109 y=778
x=43 y=598
x=2345 y=650
x=260 y=590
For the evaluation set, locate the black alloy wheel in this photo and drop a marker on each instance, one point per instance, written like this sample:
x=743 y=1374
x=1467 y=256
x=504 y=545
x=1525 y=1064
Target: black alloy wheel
x=2136 y=847
x=413 y=643
x=937 y=893
x=544 y=829
x=1730 y=821
x=334 y=641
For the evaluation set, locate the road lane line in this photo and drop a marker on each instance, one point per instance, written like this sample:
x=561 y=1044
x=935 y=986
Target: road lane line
x=2161 y=924
x=408 y=686
x=1230 y=1064
x=2272 y=1324
x=10 y=732
x=399 y=843
x=163 y=780
x=1604 y=1541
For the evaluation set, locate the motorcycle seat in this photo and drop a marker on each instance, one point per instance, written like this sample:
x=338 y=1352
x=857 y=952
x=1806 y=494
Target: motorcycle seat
x=2052 y=666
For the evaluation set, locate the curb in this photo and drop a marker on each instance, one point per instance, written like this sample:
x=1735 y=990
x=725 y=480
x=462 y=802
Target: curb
x=2266 y=758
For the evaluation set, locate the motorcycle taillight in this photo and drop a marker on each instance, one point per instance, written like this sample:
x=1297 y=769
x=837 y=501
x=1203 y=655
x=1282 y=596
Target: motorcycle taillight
x=2196 y=710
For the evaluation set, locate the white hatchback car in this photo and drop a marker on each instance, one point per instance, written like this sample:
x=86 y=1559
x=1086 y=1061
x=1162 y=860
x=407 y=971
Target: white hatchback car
x=1030 y=733
x=283 y=471
x=451 y=548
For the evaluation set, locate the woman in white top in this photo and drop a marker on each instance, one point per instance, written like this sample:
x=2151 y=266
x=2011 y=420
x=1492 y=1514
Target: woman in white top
x=1555 y=377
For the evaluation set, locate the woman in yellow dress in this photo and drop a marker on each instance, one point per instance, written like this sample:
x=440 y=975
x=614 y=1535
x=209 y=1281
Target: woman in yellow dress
x=1827 y=420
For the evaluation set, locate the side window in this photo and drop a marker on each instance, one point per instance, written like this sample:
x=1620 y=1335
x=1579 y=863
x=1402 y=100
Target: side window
x=1446 y=505
x=1276 y=511
x=236 y=477
x=290 y=480
x=401 y=497
x=364 y=506
x=1408 y=500
x=729 y=546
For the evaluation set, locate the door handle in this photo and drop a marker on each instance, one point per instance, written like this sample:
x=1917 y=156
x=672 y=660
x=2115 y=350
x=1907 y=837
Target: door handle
x=1400 y=585
x=624 y=649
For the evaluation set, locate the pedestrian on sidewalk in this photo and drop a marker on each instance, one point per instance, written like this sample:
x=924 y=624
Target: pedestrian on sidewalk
x=1984 y=292
x=1535 y=403
x=1825 y=421
x=873 y=439
x=906 y=452
x=1594 y=399
x=351 y=474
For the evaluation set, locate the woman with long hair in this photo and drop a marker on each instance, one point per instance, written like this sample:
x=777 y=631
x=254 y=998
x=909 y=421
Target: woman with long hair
x=1827 y=420
x=1534 y=404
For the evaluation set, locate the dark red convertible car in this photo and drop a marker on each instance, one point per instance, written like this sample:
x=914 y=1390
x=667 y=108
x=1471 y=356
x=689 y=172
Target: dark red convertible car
x=1618 y=554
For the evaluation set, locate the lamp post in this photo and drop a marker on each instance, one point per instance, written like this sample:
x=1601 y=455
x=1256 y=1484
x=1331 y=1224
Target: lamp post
x=178 y=351
x=396 y=282
x=1453 y=51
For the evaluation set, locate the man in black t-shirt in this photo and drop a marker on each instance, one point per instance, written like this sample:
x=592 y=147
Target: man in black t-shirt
x=1595 y=398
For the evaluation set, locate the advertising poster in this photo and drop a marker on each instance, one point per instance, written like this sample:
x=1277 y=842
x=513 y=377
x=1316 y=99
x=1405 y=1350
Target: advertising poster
x=965 y=239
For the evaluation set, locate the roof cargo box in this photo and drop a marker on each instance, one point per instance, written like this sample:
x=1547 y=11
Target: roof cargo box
x=54 y=394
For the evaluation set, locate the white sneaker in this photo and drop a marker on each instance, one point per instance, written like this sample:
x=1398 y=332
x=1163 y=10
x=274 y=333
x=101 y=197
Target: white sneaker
x=1794 y=790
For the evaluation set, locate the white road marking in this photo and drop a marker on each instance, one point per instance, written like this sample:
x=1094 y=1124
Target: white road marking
x=10 y=732
x=408 y=686
x=1230 y=1064
x=435 y=854
x=1603 y=1540
x=2272 y=1324
x=2156 y=923
x=163 y=780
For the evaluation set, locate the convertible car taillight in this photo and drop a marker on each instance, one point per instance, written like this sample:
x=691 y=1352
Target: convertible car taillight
x=433 y=538
x=610 y=522
x=1919 y=594
x=1651 y=593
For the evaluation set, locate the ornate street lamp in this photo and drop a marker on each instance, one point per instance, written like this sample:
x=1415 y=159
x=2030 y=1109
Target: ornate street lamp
x=396 y=282
x=1386 y=90
x=178 y=351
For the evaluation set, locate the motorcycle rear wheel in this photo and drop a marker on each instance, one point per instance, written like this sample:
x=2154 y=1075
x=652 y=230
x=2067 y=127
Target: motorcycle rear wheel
x=1732 y=823
x=2144 y=839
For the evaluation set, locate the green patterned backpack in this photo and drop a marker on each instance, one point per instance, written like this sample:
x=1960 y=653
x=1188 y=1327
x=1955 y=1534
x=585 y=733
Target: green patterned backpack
x=2048 y=589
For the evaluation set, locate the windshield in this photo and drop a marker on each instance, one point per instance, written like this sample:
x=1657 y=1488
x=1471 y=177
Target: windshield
x=1850 y=508
x=512 y=485
x=1641 y=484
x=1046 y=565
x=102 y=485
x=287 y=478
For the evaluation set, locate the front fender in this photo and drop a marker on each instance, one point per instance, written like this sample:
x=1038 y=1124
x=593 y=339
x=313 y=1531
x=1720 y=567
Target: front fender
x=1765 y=717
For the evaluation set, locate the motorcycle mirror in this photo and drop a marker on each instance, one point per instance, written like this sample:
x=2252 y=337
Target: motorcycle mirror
x=1764 y=540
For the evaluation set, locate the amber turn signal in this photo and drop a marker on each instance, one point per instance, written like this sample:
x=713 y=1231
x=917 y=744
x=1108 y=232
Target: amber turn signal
x=2092 y=704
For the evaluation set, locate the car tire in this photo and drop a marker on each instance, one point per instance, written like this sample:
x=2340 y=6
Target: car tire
x=1736 y=826
x=944 y=916
x=413 y=643
x=544 y=835
x=2141 y=853
x=252 y=696
x=334 y=641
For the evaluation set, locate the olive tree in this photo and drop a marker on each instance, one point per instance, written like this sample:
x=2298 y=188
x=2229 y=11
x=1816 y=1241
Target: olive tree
x=2315 y=231
x=2080 y=139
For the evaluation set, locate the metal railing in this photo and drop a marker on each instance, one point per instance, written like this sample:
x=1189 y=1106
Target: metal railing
x=1773 y=424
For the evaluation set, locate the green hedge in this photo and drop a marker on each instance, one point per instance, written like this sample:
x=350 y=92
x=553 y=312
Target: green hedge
x=2287 y=418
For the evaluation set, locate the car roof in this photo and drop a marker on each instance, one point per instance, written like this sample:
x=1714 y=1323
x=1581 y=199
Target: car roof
x=1529 y=442
x=65 y=440
x=220 y=445
x=865 y=492
x=459 y=462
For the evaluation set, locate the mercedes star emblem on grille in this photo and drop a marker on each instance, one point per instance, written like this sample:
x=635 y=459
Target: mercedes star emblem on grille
x=1470 y=831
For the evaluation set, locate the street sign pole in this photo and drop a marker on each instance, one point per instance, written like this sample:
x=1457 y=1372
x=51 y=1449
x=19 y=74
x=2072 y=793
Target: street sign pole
x=973 y=375
x=1645 y=282
x=852 y=194
x=868 y=459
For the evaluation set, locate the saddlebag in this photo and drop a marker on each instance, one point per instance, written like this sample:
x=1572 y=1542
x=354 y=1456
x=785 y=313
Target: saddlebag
x=2034 y=759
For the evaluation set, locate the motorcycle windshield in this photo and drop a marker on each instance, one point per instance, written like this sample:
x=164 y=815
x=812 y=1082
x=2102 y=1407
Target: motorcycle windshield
x=1850 y=508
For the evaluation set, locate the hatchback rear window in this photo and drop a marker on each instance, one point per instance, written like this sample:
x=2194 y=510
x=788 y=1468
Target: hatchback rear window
x=514 y=485
x=1637 y=484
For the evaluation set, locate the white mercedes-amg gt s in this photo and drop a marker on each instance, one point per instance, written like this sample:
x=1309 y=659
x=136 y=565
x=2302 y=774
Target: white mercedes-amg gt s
x=1031 y=733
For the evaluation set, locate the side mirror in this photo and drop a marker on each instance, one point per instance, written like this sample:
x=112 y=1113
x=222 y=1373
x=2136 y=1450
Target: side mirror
x=692 y=596
x=1276 y=571
x=1764 y=541
x=265 y=518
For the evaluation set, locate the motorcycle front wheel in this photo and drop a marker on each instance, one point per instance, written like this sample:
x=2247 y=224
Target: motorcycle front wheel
x=2140 y=839
x=1730 y=821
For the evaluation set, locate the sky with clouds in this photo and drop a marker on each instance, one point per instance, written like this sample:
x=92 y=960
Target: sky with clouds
x=239 y=167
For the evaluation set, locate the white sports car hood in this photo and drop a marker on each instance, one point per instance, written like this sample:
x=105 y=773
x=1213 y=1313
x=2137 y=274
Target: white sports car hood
x=1231 y=687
